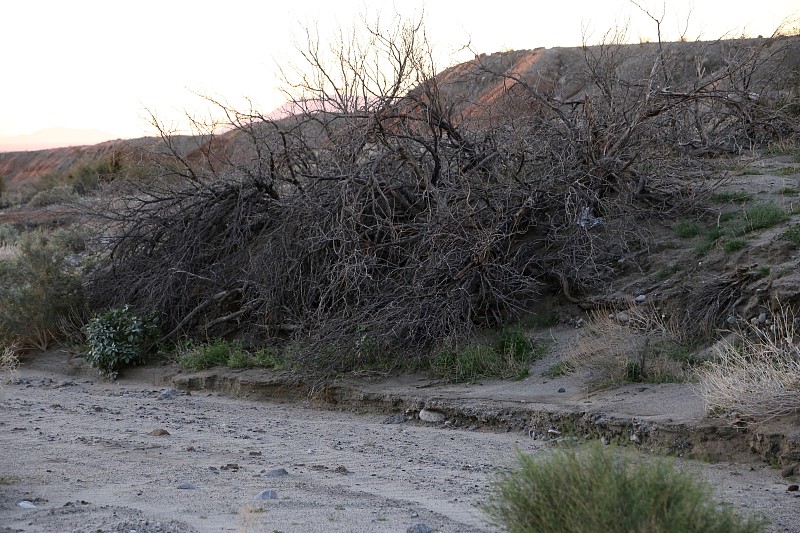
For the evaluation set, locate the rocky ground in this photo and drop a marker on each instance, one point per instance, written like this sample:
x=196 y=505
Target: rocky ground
x=83 y=454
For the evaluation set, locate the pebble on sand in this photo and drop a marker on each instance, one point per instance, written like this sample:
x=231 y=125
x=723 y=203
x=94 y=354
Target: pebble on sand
x=268 y=494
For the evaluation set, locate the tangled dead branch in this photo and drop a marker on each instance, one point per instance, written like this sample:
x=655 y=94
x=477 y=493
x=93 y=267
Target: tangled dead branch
x=380 y=211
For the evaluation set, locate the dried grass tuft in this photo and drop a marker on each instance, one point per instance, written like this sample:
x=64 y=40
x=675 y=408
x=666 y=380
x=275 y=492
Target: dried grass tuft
x=757 y=374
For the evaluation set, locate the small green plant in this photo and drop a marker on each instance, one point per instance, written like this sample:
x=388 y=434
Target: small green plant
x=562 y=368
x=217 y=353
x=596 y=489
x=787 y=171
x=764 y=271
x=270 y=359
x=509 y=357
x=737 y=197
x=8 y=234
x=766 y=215
x=118 y=338
x=240 y=359
x=733 y=245
x=686 y=229
x=793 y=234
x=788 y=191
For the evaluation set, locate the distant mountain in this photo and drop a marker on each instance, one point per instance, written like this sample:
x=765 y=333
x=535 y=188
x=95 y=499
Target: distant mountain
x=53 y=138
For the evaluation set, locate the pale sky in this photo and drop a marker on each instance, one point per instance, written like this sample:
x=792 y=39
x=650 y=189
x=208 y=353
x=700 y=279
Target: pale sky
x=99 y=63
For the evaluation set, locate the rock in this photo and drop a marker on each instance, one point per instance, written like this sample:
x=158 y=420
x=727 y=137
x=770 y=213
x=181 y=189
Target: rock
x=792 y=488
x=268 y=494
x=341 y=470
x=428 y=415
x=166 y=394
x=731 y=320
x=622 y=316
x=25 y=504
x=762 y=318
x=420 y=528
x=562 y=389
x=186 y=486
x=789 y=470
x=605 y=441
x=159 y=433
x=276 y=472
x=635 y=438
x=639 y=299
x=399 y=418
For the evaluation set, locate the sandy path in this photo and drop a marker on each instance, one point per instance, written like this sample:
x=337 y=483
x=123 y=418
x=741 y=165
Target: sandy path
x=82 y=451
x=75 y=441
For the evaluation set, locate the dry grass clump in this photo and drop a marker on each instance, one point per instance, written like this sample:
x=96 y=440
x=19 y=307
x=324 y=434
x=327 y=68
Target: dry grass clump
x=9 y=362
x=638 y=344
x=757 y=374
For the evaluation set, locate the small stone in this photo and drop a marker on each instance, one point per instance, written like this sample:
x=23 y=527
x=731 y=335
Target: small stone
x=268 y=494
x=159 y=433
x=792 y=488
x=731 y=319
x=25 y=504
x=622 y=316
x=277 y=472
x=562 y=389
x=255 y=454
x=166 y=394
x=635 y=438
x=428 y=415
x=762 y=318
x=639 y=299
x=341 y=470
x=186 y=486
x=605 y=441
x=420 y=528
x=789 y=470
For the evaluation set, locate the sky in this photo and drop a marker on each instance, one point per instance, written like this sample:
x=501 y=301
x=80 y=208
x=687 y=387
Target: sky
x=102 y=64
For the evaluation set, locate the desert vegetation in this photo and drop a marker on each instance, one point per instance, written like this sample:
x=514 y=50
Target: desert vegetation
x=621 y=494
x=390 y=210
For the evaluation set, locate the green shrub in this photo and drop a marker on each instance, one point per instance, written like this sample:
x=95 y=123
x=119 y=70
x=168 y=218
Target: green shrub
x=56 y=195
x=761 y=216
x=509 y=357
x=218 y=353
x=37 y=288
x=8 y=234
x=686 y=229
x=575 y=491
x=118 y=338
x=733 y=245
x=270 y=359
x=793 y=234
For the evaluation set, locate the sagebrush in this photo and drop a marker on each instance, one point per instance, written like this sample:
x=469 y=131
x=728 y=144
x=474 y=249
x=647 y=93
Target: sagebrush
x=598 y=489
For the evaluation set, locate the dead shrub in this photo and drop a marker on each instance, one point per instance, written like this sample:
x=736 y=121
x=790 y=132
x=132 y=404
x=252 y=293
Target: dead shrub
x=756 y=374
x=389 y=208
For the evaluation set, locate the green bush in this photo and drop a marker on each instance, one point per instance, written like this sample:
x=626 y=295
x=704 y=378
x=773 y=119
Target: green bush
x=734 y=245
x=762 y=216
x=793 y=235
x=508 y=357
x=37 y=288
x=56 y=195
x=597 y=490
x=218 y=353
x=8 y=234
x=118 y=338
x=686 y=229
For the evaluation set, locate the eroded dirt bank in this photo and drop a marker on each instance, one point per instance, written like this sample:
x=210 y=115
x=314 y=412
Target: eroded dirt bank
x=93 y=456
